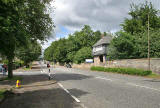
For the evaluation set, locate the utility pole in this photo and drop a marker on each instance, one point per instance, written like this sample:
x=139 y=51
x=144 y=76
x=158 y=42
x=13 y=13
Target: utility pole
x=148 y=41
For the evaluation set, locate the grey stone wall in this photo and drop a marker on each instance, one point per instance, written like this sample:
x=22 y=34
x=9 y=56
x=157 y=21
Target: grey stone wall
x=136 y=63
x=132 y=63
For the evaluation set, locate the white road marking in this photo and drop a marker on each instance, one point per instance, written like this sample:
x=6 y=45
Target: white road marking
x=104 y=78
x=43 y=71
x=82 y=105
x=143 y=86
x=77 y=100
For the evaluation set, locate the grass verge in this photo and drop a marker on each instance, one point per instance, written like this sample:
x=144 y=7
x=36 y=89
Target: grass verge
x=153 y=75
x=129 y=71
x=26 y=69
x=12 y=79
x=2 y=91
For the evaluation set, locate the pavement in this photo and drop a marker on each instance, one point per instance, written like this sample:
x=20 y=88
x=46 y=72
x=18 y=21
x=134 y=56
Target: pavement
x=75 y=88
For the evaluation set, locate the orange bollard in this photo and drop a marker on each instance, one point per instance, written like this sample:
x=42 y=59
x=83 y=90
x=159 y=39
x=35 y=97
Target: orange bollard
x=18 y=84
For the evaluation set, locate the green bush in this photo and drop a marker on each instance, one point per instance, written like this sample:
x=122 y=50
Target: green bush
x=2 y=93
x=82 y=54
x=130 y=71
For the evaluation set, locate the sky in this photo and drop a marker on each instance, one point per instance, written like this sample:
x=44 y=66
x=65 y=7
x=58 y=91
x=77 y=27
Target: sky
x=104 y=15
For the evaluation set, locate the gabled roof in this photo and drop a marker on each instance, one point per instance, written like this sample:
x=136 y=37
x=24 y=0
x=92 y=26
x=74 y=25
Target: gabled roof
x=103 y=41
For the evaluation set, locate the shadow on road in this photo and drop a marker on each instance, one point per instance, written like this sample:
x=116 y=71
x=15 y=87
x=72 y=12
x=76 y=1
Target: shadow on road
x=64 y=77
x=28 y=79
x=77 y=92
x=52 y=98
x=38 y=92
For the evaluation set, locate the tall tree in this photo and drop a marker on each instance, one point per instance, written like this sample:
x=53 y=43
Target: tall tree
x=29 y=53
x=82 y=54
x=139 y=18
x=19 y=21
x=65 y=50
x=122 y=46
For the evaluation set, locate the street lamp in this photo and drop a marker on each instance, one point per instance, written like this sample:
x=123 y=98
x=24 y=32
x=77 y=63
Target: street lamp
x=148 y=41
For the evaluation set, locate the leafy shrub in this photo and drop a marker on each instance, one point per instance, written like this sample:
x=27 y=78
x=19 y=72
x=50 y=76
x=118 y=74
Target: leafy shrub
x=130 y=71
x=82 y=54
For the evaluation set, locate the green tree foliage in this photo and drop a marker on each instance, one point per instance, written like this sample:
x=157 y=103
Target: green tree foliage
x=133 y=41
x=65 y=50
x=122 y=46
x=21 y=20
x=48 y=54
x=61 y=51
x=142 y=44
x=126 y=46
x=139 y=18
x=29 y=53
x=82 y=54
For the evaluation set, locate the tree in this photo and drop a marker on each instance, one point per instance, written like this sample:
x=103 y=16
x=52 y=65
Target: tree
x=60 y=52
x=133 y=41
x=139 y=18
x=122 y=46
x=64 y=50
x=29 y=53
x=82 y=54
x=48 y=54
x=19 y=21
x=142 y=44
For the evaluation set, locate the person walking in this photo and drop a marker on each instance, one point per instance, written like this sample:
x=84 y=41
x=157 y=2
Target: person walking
x=49 y=71
x=49 y=74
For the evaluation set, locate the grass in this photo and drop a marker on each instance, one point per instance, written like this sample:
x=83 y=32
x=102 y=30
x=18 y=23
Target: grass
x=2 y=91
x=129 y=71
x=27 y=69
x=153 y=75
x=12 y=79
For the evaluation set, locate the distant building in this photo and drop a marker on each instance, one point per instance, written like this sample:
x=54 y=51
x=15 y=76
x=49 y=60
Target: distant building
x=100 y=50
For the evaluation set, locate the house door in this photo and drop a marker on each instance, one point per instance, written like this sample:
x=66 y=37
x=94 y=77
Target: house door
x=101 y=58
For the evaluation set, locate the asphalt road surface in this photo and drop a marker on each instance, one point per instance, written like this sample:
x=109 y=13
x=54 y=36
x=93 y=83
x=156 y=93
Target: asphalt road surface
x=106 y=90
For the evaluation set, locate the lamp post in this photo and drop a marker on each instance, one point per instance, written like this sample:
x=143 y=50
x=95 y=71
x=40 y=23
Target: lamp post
x=148 y=41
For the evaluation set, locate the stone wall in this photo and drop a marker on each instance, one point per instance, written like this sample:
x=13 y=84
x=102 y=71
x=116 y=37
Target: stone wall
x=83 y=65
x=97 y=60
x=133 y=63
x=136 y=63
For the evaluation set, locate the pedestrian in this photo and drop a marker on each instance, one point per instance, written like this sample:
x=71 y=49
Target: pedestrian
x=48 y=66
x=49 y=71
x=49 y=74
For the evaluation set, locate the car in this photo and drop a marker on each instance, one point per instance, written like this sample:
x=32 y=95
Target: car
x=68 y=65
x=1 y=68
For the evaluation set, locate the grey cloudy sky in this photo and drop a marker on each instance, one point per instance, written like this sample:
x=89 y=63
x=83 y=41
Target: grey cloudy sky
x=103 y=15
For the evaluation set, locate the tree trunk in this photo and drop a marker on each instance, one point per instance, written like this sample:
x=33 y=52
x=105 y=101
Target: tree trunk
x=10 y=65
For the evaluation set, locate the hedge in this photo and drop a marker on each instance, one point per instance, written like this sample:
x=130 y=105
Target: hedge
x=129 y=71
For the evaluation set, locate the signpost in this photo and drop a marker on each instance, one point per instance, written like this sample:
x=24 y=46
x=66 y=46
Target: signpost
x=89 y=60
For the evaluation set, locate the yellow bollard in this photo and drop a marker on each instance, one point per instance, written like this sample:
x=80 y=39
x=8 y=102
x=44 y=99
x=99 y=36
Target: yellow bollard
x=18 y=84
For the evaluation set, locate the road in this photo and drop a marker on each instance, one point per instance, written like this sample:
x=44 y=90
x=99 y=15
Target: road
x=107 y=90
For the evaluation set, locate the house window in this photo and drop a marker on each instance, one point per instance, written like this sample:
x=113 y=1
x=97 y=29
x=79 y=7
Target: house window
x=96 y=49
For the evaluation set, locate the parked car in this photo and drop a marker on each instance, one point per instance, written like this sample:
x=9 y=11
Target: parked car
x=1 y=67
x=68 y=65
